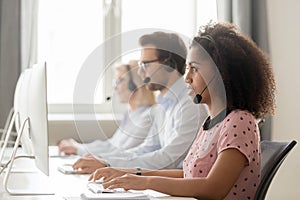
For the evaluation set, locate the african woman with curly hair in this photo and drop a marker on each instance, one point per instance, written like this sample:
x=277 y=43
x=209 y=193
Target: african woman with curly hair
x=233 y=77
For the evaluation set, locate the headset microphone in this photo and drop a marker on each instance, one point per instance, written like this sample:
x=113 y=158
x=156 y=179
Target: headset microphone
x=131 y=85
x=147 y=79
x=197 y=99
x=170 y=66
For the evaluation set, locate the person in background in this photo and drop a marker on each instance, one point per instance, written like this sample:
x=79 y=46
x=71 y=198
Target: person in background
x=232 y=76
x=162 y=65
x=137 y=121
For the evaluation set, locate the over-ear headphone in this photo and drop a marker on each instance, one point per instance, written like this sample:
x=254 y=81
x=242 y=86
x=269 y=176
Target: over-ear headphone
x=170 y=64
x=131 y=85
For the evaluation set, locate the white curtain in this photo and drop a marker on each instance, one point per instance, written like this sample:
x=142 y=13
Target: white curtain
x=29 y=20
x=18 y=20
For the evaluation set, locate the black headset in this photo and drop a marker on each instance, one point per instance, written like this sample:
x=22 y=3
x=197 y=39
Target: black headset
x=170 y=63
x=131 y=85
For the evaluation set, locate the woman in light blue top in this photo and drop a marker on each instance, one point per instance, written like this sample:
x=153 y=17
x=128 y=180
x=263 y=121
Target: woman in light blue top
x=137 y=120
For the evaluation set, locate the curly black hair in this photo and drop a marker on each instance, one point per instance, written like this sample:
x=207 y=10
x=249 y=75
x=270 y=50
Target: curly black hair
x=245 y=69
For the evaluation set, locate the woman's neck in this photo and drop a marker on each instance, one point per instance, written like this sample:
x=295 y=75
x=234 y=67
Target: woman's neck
x=216 y=107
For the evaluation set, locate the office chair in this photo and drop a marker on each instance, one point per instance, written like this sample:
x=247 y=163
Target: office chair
x=272 y=156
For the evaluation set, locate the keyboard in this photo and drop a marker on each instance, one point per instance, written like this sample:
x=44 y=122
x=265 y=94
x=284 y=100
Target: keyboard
x=98 y=188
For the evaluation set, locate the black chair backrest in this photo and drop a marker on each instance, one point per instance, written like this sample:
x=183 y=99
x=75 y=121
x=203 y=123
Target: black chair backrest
x=272 y=156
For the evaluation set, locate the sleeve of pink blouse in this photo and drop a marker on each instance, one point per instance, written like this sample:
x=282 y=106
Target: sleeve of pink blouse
x=239 y=132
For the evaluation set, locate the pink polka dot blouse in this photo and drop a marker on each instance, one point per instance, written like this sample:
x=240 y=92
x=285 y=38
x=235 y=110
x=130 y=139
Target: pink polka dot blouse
x=239 y=131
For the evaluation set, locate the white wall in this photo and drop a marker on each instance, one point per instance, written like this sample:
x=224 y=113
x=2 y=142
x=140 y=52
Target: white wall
x=284 y=31
x=83 y=131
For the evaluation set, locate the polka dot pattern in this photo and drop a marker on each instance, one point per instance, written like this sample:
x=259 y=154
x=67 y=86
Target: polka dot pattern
x=239 y=131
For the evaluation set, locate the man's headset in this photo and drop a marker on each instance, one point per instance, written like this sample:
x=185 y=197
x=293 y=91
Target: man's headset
x=131 y=85
x=169 y=65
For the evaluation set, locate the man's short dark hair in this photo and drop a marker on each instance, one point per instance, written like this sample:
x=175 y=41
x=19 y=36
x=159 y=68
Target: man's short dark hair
x=169 y=47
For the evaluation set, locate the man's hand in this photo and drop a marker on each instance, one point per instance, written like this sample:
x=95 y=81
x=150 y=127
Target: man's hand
x=88 y=164
x=68 y=146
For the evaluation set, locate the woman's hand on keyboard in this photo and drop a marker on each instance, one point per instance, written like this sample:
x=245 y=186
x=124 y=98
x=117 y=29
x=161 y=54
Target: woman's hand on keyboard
x=128 y=182
x=107 y=174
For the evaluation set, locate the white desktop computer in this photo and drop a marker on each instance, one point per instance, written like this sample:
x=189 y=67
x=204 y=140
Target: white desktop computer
x=31 y=121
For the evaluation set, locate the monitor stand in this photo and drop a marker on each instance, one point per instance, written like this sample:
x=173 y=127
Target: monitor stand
x=6 y=133
x=9 y=168
x=7 y=122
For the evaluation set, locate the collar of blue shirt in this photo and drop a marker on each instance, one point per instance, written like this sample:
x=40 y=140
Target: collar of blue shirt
x=173 y=94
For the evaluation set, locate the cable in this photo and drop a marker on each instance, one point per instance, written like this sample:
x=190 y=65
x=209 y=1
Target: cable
x=6 y=165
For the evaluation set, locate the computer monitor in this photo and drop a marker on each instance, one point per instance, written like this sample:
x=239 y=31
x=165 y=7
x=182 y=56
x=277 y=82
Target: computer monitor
x=33 y=116
x=35 y=142
x=22 y=108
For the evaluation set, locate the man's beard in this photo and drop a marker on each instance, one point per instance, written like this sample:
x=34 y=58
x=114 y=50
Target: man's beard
x=155 y=87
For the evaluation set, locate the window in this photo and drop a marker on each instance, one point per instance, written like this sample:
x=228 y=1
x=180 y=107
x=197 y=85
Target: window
x=181 y=16
x=68 y=31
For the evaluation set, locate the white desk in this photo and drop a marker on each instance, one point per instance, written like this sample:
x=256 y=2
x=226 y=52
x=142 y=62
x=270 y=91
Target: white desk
x=63 y=185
